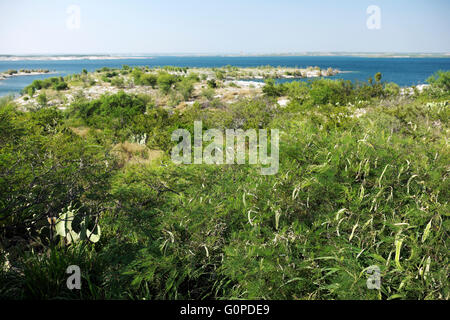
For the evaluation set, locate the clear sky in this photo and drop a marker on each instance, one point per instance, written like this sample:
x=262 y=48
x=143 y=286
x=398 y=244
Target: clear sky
x=226 y=26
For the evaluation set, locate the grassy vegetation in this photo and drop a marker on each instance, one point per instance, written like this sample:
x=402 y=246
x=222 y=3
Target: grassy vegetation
x=363 y=180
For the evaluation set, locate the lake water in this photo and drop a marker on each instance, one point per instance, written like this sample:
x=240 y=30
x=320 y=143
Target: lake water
x=403 y=71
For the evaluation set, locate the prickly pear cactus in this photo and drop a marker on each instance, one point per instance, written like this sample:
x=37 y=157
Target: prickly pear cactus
x=63 y=228
x=86 y=234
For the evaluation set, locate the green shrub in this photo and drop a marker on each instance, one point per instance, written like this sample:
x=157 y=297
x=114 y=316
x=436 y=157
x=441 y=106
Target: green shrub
x=165 y=82
x=273 y=90
x=212 y=84
x=441 y=80
x=118 y=82
x=60 y=86
x=149 y=80
x=185 y=87
x=42 y=99
x=208 y=93
x=392 y=89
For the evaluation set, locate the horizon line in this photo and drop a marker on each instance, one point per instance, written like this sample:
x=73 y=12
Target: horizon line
x=144 y=54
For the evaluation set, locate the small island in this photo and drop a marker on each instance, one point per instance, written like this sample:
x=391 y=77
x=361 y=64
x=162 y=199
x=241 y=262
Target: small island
x=22 y=72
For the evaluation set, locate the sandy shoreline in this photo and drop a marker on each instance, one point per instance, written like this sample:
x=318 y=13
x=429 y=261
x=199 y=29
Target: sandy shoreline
x=5 y=75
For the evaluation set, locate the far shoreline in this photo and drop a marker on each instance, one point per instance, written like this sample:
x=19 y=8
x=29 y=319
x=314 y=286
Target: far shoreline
x=65 y=58
x=73 y=57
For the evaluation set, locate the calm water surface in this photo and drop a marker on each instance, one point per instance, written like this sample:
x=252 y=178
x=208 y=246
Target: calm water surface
x=403 y=71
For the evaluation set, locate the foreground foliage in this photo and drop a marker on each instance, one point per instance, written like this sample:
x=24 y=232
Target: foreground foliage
x=363 y=181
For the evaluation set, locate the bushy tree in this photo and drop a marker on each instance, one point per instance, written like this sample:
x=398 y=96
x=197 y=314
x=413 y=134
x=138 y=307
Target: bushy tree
x=42 y=99
x=60 y=86
x=149 y=80
x=441 y=80
x=137 y=74
x=165 y=82
x=378 y=77
x=271 y=89
x=43 y=169
x=185 y=87
x=392 y=89
x=212 y=83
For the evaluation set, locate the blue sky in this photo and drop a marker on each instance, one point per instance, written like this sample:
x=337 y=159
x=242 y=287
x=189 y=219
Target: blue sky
x=231 y=26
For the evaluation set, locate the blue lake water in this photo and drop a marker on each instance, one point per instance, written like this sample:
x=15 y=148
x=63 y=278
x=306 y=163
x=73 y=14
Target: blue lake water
x=403 y=71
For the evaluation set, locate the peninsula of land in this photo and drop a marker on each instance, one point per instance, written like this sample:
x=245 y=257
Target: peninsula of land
x=228 y=84
x=22 y=72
